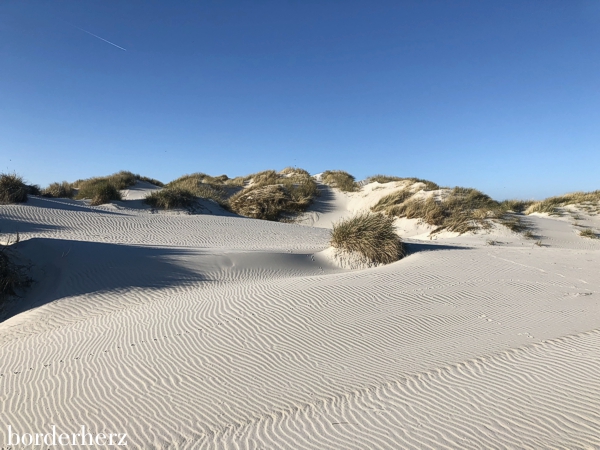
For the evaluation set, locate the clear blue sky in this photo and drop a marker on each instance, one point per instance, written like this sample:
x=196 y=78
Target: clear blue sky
x=503 y=95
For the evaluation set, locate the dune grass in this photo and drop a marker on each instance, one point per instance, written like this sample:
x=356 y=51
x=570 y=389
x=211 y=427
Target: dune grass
x=170 y=198
x=59 y=190
x=383 y=179
x=102 y=190
x=551 y=204
x=12 y=189
x=12 y=275
x=371 y=235
x=340 y=179
x=275 y=196
x=153 y=181
x=461 y=210
x=588 y=233
x=201 y=185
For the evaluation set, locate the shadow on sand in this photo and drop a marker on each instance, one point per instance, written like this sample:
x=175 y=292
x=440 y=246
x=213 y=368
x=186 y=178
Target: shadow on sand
x=63 y=268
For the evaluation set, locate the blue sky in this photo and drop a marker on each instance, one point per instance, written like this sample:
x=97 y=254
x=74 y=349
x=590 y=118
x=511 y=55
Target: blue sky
x=503 y=96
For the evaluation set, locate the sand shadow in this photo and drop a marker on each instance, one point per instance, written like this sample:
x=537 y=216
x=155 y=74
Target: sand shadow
x=66 y=204
x=64 y=268
x=417 y=247
x=325 y=202
x=9 y=226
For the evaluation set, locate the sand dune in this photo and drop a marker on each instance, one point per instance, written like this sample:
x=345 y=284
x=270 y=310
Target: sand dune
x=215 y=331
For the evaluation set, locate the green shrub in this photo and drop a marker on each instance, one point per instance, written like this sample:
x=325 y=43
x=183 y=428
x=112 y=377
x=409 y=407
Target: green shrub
x=59 y=190
x=12 y=189
x=170 y=198
x=340 y=179
x=371 y=235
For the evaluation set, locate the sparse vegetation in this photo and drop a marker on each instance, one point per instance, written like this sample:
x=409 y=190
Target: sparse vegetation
x=371 y=235
x=150 y=180
x=12 y=189
x=12 y=275
x=99 y=192
x=551 y=204
x=59 y=190
x=201 y=185
x=517 y=206
x=340 y=179
x=383 y=179
x=170 y=198
x=588 y=233
x=275 y=196
x=528 y=235
x=391 y=201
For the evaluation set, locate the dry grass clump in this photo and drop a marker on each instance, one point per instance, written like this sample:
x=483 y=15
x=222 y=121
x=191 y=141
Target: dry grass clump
x=371 y=235
x=12 y=275
x=387 y=203
x=59 y=190
x=340 y=179
x=99 y=191
x=12 y=189
x=170 y=198
x=383 y=179
x=462 y=210
x=153 y=181
x=201 y=185
x=588 y=233
x=102 y=190
x=551 y=204
x=294 y=171
x=275 y=196
x=517 y=206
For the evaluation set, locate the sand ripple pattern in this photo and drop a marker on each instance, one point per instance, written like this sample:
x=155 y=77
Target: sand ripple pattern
x=202 y=344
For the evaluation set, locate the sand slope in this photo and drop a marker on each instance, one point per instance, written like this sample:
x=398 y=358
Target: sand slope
x=212 y=331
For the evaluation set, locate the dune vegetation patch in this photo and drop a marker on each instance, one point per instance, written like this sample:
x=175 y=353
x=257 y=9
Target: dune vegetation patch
x=102 y=190
x=383 y=179
x=371 y=235
x=458 y=210
x=59 y=190
x=588 y=233
x=170 y=198
x=271 y=195
x=13 y=189
x=340 y=179
x=201 y=185
x=551 y=204
x=12 y=274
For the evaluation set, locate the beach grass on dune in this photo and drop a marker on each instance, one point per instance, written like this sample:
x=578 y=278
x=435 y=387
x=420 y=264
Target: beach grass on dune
x=340 y=179
x=371 y=235
x=12 y=189
x=59 y=190
x=201 y=185
x=275 y=196
x=12 y=274
x=170 y=198
x=459 y=210
x=551 y=204
x=588 y=233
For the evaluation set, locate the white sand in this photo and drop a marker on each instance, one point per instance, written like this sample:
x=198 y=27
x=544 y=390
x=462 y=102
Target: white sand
x=213 y=331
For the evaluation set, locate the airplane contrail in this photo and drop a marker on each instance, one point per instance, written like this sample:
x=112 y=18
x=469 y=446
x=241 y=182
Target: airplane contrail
x=102 y=39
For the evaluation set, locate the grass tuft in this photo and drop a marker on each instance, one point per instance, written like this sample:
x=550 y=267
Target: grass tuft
x=340 y=179
x=201 y=185
x=371 y=235
x=59 y=190
x=12 y=189
x=275 y=196
x=170 y=198
x=383 y=179
x=12 y=275
x=551 y=204
x=588 y=233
